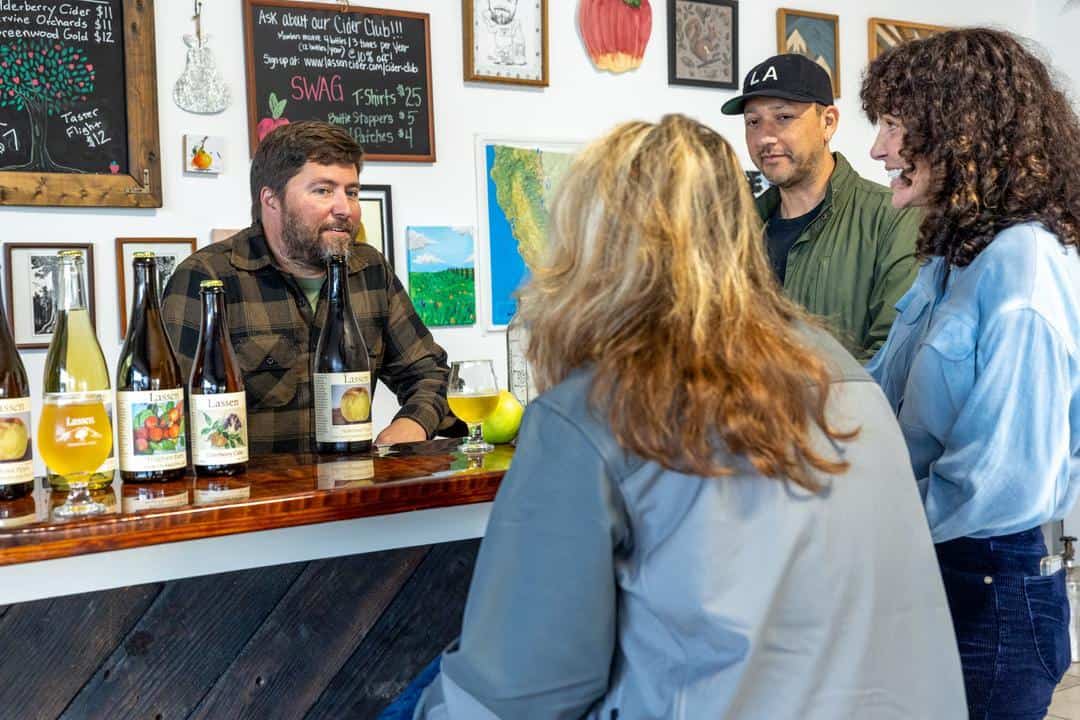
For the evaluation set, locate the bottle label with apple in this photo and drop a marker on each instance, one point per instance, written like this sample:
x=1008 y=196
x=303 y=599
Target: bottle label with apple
x=150 y=430
x=16 y=456
x=219 y=429
x=342 y=407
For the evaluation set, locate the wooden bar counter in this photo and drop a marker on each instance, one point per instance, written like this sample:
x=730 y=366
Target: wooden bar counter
x=310 y=587
x=411 y=495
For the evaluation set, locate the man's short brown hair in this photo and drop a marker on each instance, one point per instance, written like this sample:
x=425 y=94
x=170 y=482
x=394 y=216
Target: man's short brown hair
x=286 y=149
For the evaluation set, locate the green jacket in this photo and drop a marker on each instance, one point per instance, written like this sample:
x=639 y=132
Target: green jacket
x=854 y=261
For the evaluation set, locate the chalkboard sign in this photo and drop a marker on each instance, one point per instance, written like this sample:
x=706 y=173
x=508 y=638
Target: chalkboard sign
x=62 y=92
x=366 y=69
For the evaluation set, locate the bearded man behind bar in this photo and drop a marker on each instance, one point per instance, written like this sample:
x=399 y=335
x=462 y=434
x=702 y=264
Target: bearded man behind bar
x=305 y=191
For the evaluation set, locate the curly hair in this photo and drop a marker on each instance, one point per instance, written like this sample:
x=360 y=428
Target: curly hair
x=656 y=279
x=1000 y=139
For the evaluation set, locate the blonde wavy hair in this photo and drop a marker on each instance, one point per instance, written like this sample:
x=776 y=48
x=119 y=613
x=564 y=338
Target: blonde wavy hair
x=657 y=280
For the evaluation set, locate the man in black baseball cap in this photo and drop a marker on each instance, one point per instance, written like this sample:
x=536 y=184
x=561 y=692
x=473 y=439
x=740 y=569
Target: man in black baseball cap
x=835 y=242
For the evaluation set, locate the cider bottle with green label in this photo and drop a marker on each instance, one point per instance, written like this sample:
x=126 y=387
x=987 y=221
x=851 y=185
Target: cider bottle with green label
x=219 y=439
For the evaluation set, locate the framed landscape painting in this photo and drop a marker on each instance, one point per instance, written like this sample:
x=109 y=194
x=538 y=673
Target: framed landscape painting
x=30 y=278
x=442 y=284
x=885 y=34
x=814 y=35
x=703 y=43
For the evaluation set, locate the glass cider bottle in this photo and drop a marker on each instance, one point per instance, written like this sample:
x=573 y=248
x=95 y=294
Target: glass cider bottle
x=219 y=440
x=16 y=448
x=341 y=376
x=75 y=364
x=150 y=414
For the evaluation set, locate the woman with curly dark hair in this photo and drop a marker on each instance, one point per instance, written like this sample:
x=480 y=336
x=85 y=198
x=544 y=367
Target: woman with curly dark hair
x=982 y=365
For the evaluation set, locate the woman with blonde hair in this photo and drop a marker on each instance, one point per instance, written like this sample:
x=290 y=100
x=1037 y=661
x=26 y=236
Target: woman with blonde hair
x=710 y=513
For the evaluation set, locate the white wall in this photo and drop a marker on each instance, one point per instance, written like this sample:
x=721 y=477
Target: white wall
x=579 y=104
x=1054 y=20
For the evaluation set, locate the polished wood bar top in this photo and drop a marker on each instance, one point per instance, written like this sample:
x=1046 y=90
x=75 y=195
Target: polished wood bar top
x=277 y=491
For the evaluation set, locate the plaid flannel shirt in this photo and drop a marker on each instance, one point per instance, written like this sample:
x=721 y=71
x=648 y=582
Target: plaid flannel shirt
x=274 y=332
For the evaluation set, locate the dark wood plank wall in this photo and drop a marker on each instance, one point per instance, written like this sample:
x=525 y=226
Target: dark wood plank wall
x=336 y=638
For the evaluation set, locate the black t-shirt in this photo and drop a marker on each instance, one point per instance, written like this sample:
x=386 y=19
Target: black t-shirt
x=781 y=234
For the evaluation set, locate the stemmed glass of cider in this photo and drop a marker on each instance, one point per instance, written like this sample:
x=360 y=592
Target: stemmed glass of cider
x=473 y=393
x=74 y=438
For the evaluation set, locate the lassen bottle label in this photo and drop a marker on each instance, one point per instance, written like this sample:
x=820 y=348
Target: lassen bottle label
x=16 y=455
x=150 y=430
x=219 y=429
x=342 y=407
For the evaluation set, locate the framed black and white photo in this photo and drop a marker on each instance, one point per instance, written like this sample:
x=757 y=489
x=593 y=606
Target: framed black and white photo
x=169 y=253
x=31 y=273
x=703 y=43
x=377 y=219
x=506 y=41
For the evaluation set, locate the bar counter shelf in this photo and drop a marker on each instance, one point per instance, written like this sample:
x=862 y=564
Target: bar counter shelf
x=285 y=508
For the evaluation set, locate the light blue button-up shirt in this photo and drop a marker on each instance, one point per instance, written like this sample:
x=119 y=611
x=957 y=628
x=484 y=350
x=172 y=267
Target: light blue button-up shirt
x=985 y=381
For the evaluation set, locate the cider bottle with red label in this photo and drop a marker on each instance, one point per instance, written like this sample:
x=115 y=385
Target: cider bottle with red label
x=150 y=413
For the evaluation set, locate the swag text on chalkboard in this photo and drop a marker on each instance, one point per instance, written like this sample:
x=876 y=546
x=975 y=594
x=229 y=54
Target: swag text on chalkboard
x=365 y=69
x=78 y=103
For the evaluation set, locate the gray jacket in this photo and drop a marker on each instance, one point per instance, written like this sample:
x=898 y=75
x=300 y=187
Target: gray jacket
x=606 y=583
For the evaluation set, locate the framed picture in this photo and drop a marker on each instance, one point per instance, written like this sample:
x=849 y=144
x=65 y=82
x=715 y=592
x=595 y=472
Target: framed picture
x=203 y=154
x=885 y=34
x=510 y=235
x=169 y=252
x=441 y=266
x=377 y=219
x=703 y=43
x=30 y=277
x=506 y=41
x=815 y=35
x=219 y=234
x=97 y=146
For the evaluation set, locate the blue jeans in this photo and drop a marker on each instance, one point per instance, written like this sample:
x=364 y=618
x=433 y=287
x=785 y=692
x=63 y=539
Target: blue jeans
x=1012 y=625
x=404 y=705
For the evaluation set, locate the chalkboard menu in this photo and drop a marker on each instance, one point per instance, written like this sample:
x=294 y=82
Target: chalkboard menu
x=62 y=87
x=366 y=69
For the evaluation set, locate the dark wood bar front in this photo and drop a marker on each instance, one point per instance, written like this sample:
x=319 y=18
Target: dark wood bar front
x=337 y=633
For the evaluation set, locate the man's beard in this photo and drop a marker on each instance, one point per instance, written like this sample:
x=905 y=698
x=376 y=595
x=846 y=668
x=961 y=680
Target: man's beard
x=801 y=170
x=304 y=245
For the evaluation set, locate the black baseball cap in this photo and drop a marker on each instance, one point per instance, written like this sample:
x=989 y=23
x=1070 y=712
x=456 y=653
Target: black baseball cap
x=790 y=76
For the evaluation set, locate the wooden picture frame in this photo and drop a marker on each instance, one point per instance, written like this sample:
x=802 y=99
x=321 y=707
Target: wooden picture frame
x=522 y=37
x=819 y=26
x=883 y=34
x=378 y=231
x=139 y=188
x=175 y=249
x=695 y=28
x=32 y=320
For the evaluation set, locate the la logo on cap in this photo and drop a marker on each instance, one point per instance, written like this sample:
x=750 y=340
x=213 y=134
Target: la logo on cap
x=769 y=74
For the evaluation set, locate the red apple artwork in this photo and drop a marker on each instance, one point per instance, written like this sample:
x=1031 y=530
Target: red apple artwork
x=269 y=123
x=615 y=32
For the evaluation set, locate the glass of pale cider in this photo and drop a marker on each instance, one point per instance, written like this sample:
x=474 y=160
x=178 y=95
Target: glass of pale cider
x=473 y=393
x=74 y=438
